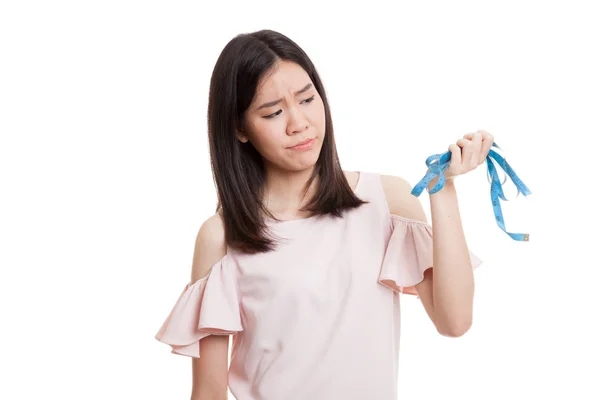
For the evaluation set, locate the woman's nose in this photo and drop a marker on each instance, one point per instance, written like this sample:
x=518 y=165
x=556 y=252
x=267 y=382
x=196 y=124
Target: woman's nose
x=297 y=122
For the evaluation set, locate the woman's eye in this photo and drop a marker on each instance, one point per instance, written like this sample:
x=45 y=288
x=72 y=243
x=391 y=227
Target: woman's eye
x=273 y=115
x=310 y=99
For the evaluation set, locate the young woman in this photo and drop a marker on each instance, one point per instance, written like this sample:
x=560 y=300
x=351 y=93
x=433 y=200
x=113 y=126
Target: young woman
x=303 y=263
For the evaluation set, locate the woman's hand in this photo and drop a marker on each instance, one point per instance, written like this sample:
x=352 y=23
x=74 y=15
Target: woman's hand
x=468 y=153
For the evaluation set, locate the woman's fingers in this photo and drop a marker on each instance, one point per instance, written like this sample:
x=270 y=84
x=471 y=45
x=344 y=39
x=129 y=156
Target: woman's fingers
x=476 y=150
x=467 y=151
x=488 y=141
x=470 y=151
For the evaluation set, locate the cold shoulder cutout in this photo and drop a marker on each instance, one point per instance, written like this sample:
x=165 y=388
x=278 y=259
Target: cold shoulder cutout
x=409 y=254
x=208 y=306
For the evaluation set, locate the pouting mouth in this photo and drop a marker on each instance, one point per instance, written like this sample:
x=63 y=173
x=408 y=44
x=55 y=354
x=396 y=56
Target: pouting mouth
x=301 y=143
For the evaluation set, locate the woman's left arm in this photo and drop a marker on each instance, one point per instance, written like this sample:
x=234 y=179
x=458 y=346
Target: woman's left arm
x=451 y=287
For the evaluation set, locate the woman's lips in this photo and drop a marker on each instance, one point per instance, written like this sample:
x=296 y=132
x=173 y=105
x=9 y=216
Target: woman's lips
x=304 y=146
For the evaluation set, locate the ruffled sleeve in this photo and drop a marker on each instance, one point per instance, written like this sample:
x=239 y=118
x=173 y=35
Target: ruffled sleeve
x=208 y=306
x=408 y=254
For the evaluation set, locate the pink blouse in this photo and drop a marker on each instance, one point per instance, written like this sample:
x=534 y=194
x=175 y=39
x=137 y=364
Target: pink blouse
x=319 y=318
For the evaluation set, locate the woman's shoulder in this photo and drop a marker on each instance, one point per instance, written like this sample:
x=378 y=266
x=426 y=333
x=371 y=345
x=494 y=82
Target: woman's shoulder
x=210 y=246
x=400 y=201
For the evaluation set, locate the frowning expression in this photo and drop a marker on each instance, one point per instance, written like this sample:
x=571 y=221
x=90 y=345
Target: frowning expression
x=286 y=111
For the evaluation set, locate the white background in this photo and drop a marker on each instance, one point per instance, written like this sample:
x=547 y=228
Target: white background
x=105 y=179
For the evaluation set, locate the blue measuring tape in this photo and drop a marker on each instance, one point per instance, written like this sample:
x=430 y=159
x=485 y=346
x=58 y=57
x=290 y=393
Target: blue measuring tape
x=438 y=163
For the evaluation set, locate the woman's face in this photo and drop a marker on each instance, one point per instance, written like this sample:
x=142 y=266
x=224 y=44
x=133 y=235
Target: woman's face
x=285 y=111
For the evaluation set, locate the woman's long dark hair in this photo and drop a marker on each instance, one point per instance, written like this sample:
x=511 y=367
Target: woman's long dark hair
x=237 y=167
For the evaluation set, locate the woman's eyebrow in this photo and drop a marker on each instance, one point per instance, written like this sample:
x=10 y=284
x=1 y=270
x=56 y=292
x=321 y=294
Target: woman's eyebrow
x=274 y=102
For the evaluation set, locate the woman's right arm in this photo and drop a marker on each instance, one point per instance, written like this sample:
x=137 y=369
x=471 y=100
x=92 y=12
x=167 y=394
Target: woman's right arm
x=209 y=372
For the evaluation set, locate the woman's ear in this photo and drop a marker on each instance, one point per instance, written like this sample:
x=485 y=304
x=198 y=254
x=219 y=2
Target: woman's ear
x=241 y=136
